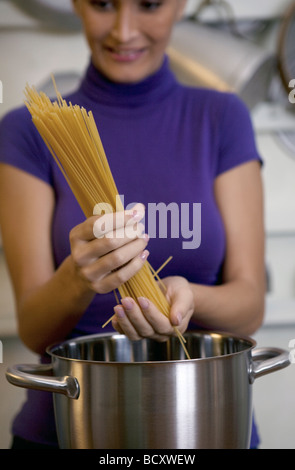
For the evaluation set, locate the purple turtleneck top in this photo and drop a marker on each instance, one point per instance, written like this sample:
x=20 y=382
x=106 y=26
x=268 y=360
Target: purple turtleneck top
x=166 y=143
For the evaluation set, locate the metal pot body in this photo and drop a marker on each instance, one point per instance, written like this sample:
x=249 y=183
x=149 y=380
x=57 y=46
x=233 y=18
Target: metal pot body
x=117 y=394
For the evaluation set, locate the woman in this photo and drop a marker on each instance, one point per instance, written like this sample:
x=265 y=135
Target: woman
x=166 y=143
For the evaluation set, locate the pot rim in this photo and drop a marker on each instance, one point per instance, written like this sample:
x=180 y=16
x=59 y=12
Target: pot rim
x=84 y=338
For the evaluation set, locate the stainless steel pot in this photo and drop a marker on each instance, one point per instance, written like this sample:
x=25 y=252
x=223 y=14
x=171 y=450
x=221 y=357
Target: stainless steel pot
x=111 y=393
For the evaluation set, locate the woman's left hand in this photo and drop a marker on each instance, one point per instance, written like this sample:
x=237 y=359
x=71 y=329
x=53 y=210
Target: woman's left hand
x=144 y=320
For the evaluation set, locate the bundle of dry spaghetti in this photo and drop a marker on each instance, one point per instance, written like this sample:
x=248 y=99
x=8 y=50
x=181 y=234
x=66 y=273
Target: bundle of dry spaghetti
x=72 y=138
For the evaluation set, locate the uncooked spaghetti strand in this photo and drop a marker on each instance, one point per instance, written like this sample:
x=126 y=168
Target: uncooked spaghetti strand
x=156 y=277
x=164 y=264
x=47 y=136
x=73 y=140
x=182 y=341
x=58 y=95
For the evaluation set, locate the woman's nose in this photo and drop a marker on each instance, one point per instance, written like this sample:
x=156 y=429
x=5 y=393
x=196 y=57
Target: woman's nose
x=125 y=25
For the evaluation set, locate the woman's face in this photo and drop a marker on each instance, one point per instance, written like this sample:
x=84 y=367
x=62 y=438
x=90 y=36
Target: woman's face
x=128 y=38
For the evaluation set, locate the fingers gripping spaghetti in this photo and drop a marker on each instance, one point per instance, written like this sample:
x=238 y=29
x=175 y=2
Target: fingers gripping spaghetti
x=72 y=138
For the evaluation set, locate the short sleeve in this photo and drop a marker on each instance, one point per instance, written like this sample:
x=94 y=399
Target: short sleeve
x=237 y=140
x=21 y=145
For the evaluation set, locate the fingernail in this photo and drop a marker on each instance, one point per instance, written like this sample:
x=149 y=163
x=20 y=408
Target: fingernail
x=137 y=215
x=119 y=311
x=127 y=303
x=145 y=236
x=144 y=255
x=179 y=319
x=143 y=302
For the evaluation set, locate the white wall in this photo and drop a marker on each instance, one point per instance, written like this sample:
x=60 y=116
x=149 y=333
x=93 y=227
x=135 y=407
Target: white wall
x=29 y=53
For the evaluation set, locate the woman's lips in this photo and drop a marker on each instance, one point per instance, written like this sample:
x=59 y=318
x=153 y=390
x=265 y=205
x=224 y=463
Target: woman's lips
x=125 y=55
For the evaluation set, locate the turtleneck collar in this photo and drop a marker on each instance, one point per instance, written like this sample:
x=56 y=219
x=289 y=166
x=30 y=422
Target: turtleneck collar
x=99 y=89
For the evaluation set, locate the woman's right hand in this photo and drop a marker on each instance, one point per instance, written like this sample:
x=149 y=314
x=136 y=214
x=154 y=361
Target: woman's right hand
x=108 y=250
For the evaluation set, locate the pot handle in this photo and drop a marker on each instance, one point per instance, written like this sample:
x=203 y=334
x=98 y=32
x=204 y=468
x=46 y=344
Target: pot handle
x=267 y=360
x=39 y=377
